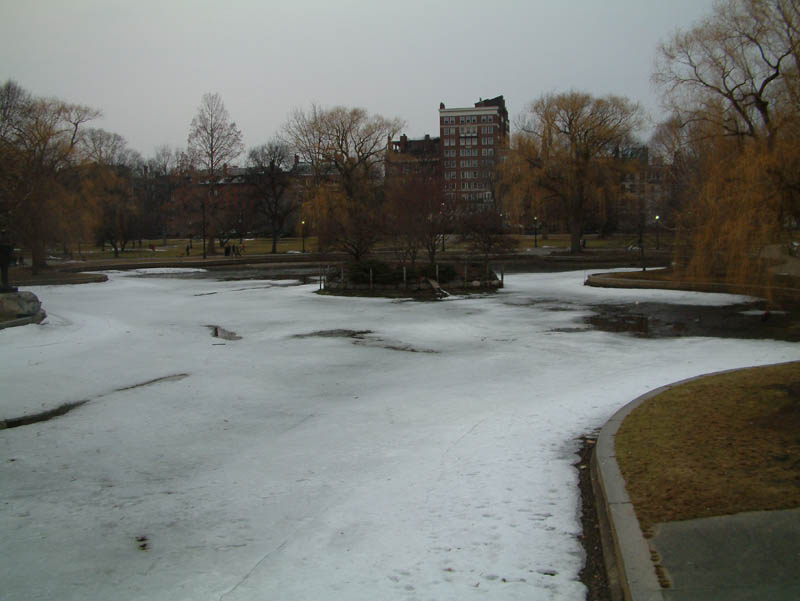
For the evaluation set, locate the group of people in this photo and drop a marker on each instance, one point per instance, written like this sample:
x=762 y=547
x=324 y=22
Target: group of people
x=233 y=250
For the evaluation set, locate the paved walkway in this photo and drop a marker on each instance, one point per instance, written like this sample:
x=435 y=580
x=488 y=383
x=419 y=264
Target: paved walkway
x=743 y=557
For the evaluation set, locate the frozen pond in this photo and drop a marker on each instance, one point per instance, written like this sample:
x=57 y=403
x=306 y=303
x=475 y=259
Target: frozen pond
x=253 y=440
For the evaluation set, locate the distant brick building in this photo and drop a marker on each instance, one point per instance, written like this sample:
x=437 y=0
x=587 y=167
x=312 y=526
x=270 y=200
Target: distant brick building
x=473 y=140
x=644 y=192
x=406 y=157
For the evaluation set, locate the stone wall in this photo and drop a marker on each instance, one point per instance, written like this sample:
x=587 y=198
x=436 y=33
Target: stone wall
x=20 y=308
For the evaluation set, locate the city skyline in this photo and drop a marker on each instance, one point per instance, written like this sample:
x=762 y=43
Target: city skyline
x=146 y=66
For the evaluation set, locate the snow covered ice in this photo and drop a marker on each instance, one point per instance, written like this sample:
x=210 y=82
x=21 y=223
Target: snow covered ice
x=342 y=448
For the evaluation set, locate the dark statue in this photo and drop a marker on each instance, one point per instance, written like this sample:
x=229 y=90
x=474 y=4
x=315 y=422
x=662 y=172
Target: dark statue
x=6 y=248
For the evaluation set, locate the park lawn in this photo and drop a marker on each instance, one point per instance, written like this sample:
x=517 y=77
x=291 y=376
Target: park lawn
x=718 y=445
x=176 y=247
x=659 y=275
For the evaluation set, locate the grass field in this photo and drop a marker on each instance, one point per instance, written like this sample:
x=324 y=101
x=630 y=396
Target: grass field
x=718 y=445
x=176 y=247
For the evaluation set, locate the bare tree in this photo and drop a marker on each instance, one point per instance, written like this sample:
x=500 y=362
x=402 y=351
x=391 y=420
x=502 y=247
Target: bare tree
x=731 y=68
x=418 y=218
x=110 y=172
x=164 y=160
x=270 y=172
x=104 y=147
x=304 y=133
x=485 y=234
x=345 y=147
x=214 y=140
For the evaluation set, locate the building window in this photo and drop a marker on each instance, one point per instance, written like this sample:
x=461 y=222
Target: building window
x=487 y=141
x=451 y=152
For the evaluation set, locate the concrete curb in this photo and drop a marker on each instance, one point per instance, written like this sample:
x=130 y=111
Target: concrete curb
x=630 y=565
x=23 y=321
x=610 y=280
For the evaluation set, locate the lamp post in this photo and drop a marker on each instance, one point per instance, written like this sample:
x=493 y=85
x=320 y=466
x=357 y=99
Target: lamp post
x=441 y=222
x=204 y=226
x=303 y=234
x=535 y=232
x=657 y=228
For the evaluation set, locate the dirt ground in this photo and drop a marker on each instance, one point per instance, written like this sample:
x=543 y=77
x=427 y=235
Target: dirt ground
x=593 y=575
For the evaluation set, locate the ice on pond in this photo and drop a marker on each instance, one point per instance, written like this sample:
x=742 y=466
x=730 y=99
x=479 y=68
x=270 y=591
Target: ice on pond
x=288 y=465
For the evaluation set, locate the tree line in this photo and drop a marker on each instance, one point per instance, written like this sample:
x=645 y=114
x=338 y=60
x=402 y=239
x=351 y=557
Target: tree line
x=731 y=84
x=65 y=183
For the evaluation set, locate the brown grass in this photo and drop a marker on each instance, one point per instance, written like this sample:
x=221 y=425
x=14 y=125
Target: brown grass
x=719 y=445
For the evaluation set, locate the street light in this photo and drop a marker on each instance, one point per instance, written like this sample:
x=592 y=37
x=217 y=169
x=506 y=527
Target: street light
x=657 y=228
x=535 y=232
x=441 y=223
x=303 y=233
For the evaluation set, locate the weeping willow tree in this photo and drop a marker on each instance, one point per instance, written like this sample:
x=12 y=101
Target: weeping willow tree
x=39 y=142
x=734 y=221
x=566 y=155
x=345 y=148
x=733 y=85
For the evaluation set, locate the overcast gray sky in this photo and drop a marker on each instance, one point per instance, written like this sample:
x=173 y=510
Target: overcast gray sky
x=146 y=64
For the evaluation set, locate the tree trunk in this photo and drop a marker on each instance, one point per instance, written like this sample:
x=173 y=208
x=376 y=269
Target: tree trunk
x=274 y=243
x=38 y=257
x=575 y=240
x=575 y=228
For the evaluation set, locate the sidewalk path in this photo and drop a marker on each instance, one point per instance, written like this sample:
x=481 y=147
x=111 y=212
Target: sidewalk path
x=742 y=557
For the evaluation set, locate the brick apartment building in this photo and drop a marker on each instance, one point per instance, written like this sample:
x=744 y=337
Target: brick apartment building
x=406 y=157
x=473 y=140
x=644 y=192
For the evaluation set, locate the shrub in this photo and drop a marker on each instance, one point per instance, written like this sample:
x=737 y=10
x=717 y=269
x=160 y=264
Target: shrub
x=382 y=273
